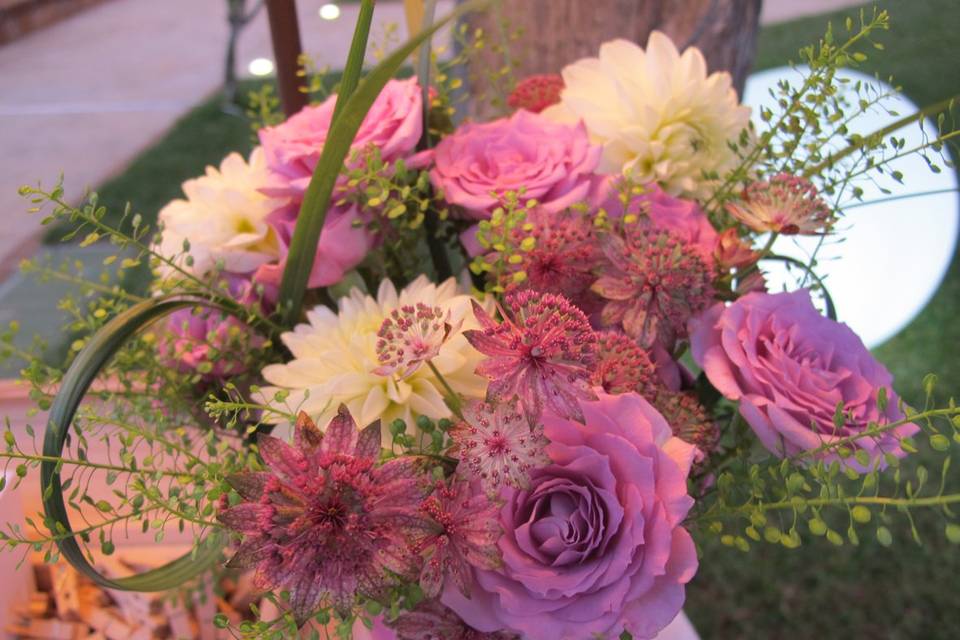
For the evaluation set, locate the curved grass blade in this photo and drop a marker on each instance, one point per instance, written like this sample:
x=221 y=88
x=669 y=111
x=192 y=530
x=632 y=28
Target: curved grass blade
x=313 y=211
x=81 y=374
x=831 y=309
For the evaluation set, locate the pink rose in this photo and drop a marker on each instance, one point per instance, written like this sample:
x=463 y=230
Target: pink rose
x=790 y=367
x=594 y=546
x=292 y=150
x=344 y=242
x=553 y=164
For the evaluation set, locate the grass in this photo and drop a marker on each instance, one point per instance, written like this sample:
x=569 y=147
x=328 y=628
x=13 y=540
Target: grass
x=818 y=590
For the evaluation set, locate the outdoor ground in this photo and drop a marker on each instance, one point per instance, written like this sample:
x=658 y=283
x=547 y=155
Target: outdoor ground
x=906 y=591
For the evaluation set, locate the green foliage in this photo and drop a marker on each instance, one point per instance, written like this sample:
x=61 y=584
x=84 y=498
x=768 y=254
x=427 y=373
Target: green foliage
x=502 y=237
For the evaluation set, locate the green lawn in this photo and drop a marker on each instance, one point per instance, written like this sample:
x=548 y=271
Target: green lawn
x=906 y=591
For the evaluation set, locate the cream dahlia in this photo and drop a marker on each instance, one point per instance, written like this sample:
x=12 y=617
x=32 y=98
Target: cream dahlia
x=224 y=217
x=335 y=359
x=658 y=115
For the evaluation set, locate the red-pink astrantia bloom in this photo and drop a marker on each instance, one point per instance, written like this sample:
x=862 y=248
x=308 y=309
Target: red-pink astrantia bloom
x=525 y=154
x=542 y=353
x=563 y=257
x=463 y=532
x=790 y=368
x=410 y=336
x=622 y=366
x=594 y=546
x=659 y=266
x=498 y=445
x=324 y=522
x=653 y=284
x=536 y=93
x=785 y=204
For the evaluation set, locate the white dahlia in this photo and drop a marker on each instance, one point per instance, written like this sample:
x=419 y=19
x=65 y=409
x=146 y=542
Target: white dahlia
x=335 y=359
x=224 y=218
x=657 y=114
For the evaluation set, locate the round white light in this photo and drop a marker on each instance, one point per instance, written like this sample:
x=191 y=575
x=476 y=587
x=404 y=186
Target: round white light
x=329 y=11
x=887 y=256
x=260 y=67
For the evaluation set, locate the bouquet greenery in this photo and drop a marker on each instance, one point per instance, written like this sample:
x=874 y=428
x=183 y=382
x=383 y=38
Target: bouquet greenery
x=493 y=379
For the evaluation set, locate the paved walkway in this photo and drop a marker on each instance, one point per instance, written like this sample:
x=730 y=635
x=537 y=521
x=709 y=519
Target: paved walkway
x=85 y=96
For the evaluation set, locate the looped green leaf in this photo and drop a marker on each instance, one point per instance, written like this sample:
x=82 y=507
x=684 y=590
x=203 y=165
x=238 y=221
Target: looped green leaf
x=81 y=374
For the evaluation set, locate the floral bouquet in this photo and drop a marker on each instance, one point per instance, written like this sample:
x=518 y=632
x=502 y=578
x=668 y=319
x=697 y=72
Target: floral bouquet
x=494 y=379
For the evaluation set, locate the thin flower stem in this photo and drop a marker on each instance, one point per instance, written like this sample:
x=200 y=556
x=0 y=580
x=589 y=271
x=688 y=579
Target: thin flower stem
x=930 y=501
x=452 y=399
x=879 y=430
x=92 y=465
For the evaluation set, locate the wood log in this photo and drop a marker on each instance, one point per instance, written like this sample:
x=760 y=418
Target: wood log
x=555 y=33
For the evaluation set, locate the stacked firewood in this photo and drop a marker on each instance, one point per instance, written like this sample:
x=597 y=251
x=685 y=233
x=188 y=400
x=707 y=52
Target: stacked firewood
x=67 y=605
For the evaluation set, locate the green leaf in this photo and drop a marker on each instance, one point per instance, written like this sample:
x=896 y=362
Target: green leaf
x=354 y=66
x=953 y=532
x=939 y=442
x=860 y=514
x=313 y=211
x=98 y=351
x=884 y=537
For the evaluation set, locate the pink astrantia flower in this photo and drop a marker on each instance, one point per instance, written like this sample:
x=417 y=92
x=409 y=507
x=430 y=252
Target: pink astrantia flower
x=526 y=154
x=324 y=522
x=292 y=149
x=594 y=546
x=688 y=420
x=463 y=533
x=542 y=353
x=563 y=256
x=653 y=284
x=498 y=445
x=790 y=368
x=622 y=366
x=410 y=336
x=784 y=204
x=536 y=93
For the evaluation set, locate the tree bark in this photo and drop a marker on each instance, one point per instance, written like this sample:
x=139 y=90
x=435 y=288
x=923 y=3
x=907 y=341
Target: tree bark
x=558 y=32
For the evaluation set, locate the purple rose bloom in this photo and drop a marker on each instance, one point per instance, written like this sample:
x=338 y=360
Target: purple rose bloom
x=594 y=546
x=790 y=367
x=553 y=164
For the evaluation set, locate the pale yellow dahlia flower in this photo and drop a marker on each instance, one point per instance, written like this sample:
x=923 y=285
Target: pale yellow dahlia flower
x=224 y=218
x=657 y=114
x=335 y=359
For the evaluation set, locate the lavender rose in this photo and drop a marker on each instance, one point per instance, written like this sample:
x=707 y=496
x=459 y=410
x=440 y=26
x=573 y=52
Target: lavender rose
x=553 y=164
x=594 y=546
x=790 y=367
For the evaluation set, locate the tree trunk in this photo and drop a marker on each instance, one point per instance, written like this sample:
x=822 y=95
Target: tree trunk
x=554 y=33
